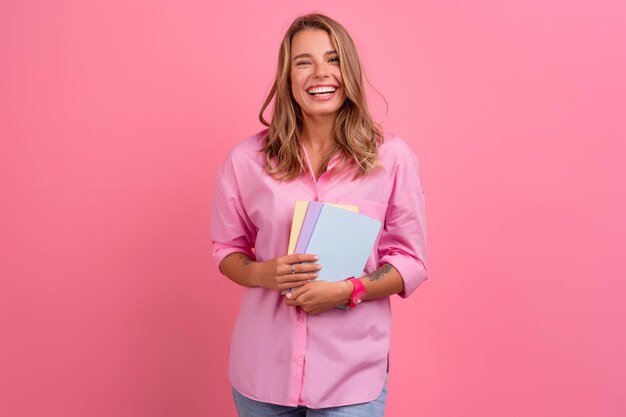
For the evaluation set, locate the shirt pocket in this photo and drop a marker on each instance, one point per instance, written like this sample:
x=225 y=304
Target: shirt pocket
x=373 y=209
x=376 y=210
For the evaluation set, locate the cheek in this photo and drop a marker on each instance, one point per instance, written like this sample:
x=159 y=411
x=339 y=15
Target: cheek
x=295 y=82
x=338 y=76
x=297 y=85
x=295 y=92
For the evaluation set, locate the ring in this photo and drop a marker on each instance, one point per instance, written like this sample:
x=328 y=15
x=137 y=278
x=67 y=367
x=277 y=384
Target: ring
x=293 y=270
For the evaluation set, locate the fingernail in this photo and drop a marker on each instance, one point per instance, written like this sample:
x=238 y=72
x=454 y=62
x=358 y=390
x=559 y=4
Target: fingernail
x=319 y=266
x=315 y=275
x=289 y=295
x=316 y=257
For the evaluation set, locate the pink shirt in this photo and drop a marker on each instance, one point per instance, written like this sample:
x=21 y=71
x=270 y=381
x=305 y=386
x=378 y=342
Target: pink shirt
x=278 y=353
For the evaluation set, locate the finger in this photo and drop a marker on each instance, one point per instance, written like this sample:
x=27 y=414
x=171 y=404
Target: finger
x=285 y=269
x=306 y=267
x=289 y=286
x=297 y=280
x=293 y=285
x=301 y=257
x=296 y=293
x=293 y=303
x=293 y=269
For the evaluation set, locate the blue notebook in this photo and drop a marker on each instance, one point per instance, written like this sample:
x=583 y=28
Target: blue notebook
x=343 y=240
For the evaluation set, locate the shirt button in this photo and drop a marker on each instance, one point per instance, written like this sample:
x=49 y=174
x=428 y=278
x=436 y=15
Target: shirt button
x=316 y=199
x=300 y=318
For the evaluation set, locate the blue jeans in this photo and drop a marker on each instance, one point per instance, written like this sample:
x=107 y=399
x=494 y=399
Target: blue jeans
x=247 y=407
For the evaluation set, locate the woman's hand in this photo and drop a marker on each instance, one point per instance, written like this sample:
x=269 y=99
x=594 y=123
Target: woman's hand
x=320 y=296
x=285 y=272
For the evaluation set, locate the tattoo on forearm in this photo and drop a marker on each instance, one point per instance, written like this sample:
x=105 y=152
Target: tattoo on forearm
x=244 y=259
x=380 y=272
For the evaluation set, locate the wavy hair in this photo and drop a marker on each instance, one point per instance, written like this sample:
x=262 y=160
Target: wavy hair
x=356 y=135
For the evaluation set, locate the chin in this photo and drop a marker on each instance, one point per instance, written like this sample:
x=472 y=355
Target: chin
x=320 y=111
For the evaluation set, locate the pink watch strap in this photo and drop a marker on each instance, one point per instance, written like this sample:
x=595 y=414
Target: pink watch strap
x=357 y=293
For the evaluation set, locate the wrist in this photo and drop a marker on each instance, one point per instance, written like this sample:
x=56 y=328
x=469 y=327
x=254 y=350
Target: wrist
x=255 y=274
x=347 y=289
x=358 y=292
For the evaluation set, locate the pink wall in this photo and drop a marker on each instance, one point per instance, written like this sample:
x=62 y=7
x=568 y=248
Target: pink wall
x=114 y=116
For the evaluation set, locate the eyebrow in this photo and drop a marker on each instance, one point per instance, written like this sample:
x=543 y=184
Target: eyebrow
x=332 y=51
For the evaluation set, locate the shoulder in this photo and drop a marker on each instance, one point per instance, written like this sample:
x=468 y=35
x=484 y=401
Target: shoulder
x=402 y=165
x=248 y=149
x=395 y=150
x=245 y=159
x=246 y=156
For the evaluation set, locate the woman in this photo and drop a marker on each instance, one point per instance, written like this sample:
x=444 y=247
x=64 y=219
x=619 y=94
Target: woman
x=294 y=353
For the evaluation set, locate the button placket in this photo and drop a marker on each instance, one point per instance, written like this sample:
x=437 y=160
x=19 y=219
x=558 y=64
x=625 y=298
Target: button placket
x=311 y=173
x=298 y=355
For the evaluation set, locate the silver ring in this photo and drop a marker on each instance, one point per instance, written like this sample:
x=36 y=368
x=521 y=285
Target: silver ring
x=293 y=270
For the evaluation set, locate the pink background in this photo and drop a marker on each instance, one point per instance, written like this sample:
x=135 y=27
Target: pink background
x=114 y=116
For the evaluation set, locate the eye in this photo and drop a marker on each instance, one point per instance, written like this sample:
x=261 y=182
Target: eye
x=334 y=59
x=302 y=62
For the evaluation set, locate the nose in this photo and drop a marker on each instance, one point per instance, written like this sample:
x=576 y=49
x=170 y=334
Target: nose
x=321 y=71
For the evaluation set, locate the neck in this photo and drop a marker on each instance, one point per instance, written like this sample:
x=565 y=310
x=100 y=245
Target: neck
x=317 y=131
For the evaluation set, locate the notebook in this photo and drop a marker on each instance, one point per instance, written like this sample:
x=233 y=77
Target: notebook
x=343 y=240
x=299 y=214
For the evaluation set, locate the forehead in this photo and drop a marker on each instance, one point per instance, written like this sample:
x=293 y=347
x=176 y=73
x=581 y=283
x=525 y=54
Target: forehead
x=312 y=41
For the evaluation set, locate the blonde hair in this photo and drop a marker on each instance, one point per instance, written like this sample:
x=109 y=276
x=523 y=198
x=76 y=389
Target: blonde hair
x=356 y=135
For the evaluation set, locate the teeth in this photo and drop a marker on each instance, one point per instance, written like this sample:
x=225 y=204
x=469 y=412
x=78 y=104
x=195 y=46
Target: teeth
x=319 y=90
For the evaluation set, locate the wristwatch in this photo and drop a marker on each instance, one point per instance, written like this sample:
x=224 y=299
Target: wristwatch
x=358 y=293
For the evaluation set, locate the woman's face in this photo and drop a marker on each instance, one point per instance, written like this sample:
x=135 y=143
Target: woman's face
x=316 y=82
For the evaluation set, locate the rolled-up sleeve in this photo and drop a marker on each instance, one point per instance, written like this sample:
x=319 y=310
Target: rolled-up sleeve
x=403 y=239
x=231 y=228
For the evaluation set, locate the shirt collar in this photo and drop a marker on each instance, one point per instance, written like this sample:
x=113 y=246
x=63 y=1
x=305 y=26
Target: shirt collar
x=333 y=160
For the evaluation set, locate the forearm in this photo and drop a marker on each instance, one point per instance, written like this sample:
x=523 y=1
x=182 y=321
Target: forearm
x=240 y=269
x=383 y=282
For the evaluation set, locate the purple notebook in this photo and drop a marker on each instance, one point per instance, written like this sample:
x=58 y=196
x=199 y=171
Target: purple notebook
x=310 y=219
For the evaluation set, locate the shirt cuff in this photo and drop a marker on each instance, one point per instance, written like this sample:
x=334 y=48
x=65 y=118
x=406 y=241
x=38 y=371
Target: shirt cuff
x=220 y=251
x=412 y=271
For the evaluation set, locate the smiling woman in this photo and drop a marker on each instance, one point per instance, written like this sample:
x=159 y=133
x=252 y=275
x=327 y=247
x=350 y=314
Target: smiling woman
x=293 y=353
x=316 y=81
x=317 y=51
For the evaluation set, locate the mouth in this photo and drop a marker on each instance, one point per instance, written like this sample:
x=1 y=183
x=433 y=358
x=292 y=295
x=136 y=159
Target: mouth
x=322 y=92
